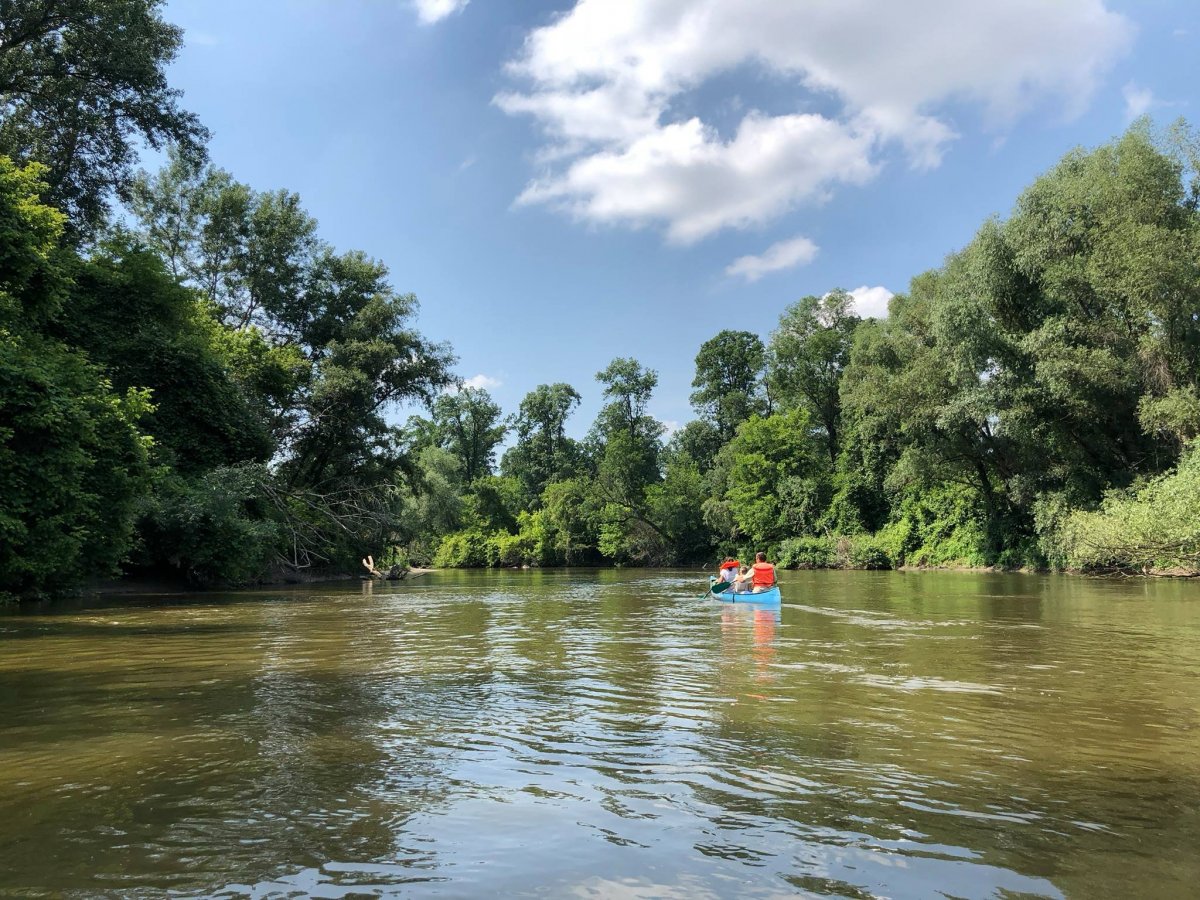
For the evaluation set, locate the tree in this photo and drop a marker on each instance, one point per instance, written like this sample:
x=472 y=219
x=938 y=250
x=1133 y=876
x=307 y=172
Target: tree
x=257 y=258
x=543 y=453
x=628 y=442
x=255 y=255
x=774 y=484
x=80 y=82
x=729 y=379
x=628 y=436
x=470 y=426
x=72 y=461
x=699 y=440
x=147 y=331
x=365 y=359
x=807 y=355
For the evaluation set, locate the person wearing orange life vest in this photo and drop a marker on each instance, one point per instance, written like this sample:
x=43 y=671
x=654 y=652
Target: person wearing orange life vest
x=762 y=574
x=729 y=569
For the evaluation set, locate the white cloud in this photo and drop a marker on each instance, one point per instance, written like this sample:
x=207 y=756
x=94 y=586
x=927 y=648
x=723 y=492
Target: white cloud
x=486 y=382
x=1138 y=101
x=795 y=252
x=201 y=38
x=871 y=302
x=431 y=11
x=601 y=79
x=670 y=426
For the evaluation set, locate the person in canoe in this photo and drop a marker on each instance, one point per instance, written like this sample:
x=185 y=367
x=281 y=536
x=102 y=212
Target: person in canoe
x=762 y=574
x=742 y=583
x=729 y=569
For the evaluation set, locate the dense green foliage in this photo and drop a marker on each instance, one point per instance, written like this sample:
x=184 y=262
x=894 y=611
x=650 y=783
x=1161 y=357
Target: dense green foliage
x=81 y=81
x=211 y=389
x=1044 y=369
x=72 y=461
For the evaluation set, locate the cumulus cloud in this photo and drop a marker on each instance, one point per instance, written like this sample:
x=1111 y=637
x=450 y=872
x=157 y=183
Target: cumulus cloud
x=784 y=255
x=431 y=11
x=871 y=302
x=486 y=382
x=601 y=80
x=1138 y=100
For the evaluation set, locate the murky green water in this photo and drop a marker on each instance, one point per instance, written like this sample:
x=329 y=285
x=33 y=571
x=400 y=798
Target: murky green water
x=606 y=734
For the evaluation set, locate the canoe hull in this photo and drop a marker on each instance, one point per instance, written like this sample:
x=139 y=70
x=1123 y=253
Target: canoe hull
x=770 y=597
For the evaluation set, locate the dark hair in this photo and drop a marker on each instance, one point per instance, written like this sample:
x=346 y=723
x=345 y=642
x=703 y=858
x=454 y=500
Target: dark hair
x=760 y=556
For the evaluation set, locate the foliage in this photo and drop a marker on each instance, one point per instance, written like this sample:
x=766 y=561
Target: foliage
x=463 y=550
x=215 y=529
x=469 y=424
x=72 y=461
x=816 y=552
x=543 y=453
x=937 y=526
x=214 y=394
x=81 y=83
x=773 y=477
x=808 y=353
x=146 y=331
x=1155 y=527
x=729 y=384
x=72 y=465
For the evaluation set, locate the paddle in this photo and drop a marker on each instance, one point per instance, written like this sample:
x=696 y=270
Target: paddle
x=711 y=583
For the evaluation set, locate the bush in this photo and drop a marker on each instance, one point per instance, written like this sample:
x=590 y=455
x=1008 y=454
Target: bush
x=1156 y=527
x=463 y=550
x=808 y=553
x=865 y=551
x=214 y=529
x=72 y=464
x=941 y=526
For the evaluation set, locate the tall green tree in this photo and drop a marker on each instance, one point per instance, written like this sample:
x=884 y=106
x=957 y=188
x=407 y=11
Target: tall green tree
x=366 y=358
x=72 y=461
x=213 y=401
x=471 y=426
x=628 y=450
x=630 y=438
x=82 y=82
x=729 y=383
x=774 y=479
x=807 y=356
x=254 y=254
x=543 y=453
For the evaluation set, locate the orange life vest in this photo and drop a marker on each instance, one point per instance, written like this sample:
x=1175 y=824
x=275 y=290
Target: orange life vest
x=763 y=575
x=731 y=565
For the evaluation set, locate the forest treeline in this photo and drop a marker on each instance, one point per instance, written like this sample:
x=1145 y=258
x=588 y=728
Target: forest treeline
x=193 y=382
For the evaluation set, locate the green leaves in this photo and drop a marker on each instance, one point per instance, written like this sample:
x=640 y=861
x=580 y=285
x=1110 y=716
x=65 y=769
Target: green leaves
x=808 y=353
x=83 y=82
x=729 y=383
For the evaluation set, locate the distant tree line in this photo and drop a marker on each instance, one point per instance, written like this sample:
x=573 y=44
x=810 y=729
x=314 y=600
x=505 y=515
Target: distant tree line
x=203 y=387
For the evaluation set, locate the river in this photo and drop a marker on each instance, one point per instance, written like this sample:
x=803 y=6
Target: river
x=607 y=734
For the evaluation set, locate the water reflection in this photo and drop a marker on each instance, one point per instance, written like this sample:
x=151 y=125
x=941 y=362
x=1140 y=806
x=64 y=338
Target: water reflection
x=607 y=734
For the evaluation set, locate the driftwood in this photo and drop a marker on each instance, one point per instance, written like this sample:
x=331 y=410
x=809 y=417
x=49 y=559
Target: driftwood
x=394 y=573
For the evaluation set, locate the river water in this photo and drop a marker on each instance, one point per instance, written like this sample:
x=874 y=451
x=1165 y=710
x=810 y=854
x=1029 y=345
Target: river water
x=607 y=734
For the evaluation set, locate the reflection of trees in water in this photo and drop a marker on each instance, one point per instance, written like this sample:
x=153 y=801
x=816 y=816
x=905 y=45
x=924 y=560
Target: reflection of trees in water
x=241 y=744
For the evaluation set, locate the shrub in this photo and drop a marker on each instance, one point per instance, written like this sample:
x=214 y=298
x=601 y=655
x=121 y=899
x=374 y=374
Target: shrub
x=213 y=529
x=1156 y=527
x=865 y=551
x=808 y=553
x=463 y=550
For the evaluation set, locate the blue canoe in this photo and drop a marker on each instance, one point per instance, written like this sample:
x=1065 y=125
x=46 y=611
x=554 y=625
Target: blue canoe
x=770 y=597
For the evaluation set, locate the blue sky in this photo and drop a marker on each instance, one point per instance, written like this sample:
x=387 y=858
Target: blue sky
x=561 y=183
